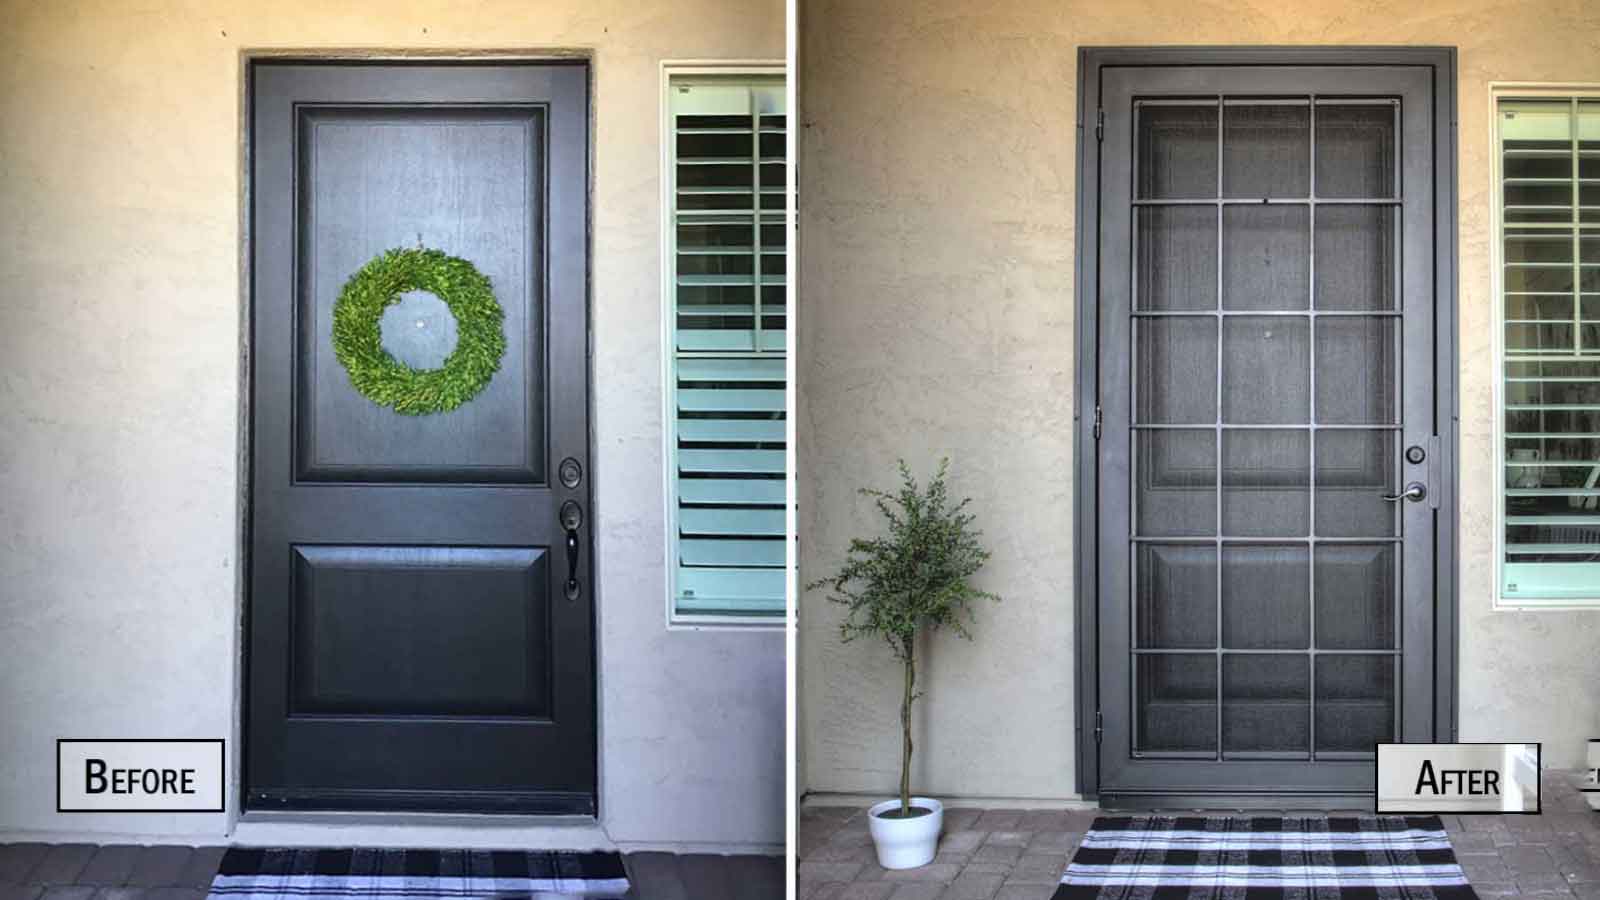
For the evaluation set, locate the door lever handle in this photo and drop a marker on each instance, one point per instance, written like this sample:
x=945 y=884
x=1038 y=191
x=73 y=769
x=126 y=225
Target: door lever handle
x=1416 y=492
x=572 y=520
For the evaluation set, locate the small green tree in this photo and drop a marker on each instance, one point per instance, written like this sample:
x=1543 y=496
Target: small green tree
x=913 y=579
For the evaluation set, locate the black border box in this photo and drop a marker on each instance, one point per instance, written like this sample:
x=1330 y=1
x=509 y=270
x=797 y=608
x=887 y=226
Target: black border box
x=222 y=762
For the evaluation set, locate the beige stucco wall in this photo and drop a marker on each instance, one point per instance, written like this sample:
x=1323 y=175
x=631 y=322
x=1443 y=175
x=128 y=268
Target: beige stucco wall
x=937 y=302
x=119 y=393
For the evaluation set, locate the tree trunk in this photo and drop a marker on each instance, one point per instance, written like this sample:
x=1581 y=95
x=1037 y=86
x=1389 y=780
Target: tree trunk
x=905 y=725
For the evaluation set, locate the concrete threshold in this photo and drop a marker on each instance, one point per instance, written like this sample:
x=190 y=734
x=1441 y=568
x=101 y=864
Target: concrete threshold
x=419 y=830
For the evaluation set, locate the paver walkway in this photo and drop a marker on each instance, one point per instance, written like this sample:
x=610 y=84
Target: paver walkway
x=1011 y=854
x=123 y=872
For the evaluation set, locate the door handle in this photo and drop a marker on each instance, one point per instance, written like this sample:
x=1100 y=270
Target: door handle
x=572 y=520
x=1416 y=492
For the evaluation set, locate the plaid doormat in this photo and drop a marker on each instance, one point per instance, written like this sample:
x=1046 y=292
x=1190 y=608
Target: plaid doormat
x=1240 y=858
x=417 y=874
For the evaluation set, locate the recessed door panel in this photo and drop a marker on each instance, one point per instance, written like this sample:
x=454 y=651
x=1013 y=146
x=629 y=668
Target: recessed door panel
x=436 y=631
x=469 y=181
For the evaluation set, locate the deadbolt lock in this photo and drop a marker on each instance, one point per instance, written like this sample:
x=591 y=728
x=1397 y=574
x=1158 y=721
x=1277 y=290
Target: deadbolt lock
x=1415 y=454
x=570 y=472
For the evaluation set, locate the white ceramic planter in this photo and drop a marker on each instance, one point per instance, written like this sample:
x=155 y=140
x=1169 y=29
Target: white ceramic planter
x=1591 y=785
x=906 y=843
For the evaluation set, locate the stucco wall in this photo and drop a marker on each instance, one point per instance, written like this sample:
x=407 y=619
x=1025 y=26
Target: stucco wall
x=937 y=294
x=119 y=393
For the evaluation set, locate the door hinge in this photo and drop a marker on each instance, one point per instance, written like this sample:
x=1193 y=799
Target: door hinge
x=1099 y=727
x=1097 y=421
x=1099 y=124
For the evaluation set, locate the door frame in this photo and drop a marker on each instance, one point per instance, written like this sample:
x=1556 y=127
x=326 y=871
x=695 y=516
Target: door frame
x=248 y=60
x=1092 y=61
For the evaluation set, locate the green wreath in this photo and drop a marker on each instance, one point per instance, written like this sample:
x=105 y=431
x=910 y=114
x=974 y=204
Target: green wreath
x=386 y=381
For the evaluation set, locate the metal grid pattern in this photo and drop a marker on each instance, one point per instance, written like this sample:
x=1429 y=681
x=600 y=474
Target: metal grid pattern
x=1263 y=165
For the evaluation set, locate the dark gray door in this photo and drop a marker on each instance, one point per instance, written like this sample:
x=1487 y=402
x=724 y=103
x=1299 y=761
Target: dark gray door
x=1266 y=346
x=413 y=641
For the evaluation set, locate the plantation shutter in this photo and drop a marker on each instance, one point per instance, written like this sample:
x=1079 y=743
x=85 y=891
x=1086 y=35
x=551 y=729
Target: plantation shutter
x=729 y=340
x=1550 y=234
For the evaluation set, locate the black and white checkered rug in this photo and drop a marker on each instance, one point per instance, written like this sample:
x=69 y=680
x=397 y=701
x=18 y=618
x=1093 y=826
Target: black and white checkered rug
x=417 y=874
x=1248 y=858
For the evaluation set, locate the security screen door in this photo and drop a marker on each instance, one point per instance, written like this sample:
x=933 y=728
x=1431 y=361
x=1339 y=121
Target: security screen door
x=421 y=619
x=1266 y=374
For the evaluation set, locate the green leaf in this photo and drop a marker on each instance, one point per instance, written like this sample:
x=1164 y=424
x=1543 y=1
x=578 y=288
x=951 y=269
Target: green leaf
x=917 y=575
x=376 y=374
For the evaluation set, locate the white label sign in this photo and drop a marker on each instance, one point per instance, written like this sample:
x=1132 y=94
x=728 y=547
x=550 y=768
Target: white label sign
x=139 y=775
x=1457 y=778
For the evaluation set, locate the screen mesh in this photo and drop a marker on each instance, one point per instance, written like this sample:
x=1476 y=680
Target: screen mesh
x=1267 y=383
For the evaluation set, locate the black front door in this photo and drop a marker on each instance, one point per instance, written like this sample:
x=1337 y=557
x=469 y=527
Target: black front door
x=1266 y=346
x=420 y=626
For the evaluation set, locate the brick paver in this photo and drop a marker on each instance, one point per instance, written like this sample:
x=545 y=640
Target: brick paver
x=1011 y=854
x=111 y=872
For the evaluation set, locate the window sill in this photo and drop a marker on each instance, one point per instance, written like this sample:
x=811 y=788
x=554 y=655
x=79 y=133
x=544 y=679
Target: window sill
x=727 y=623
x=1547 y=604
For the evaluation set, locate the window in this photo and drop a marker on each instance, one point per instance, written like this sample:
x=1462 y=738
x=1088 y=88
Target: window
x=727 y=332
x=1549 y=274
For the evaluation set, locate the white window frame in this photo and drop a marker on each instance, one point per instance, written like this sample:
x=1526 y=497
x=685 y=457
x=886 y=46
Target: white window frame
x=671 y=69
x=1499 y=91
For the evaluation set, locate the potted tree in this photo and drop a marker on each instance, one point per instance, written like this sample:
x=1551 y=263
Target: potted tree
x=913 y=579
